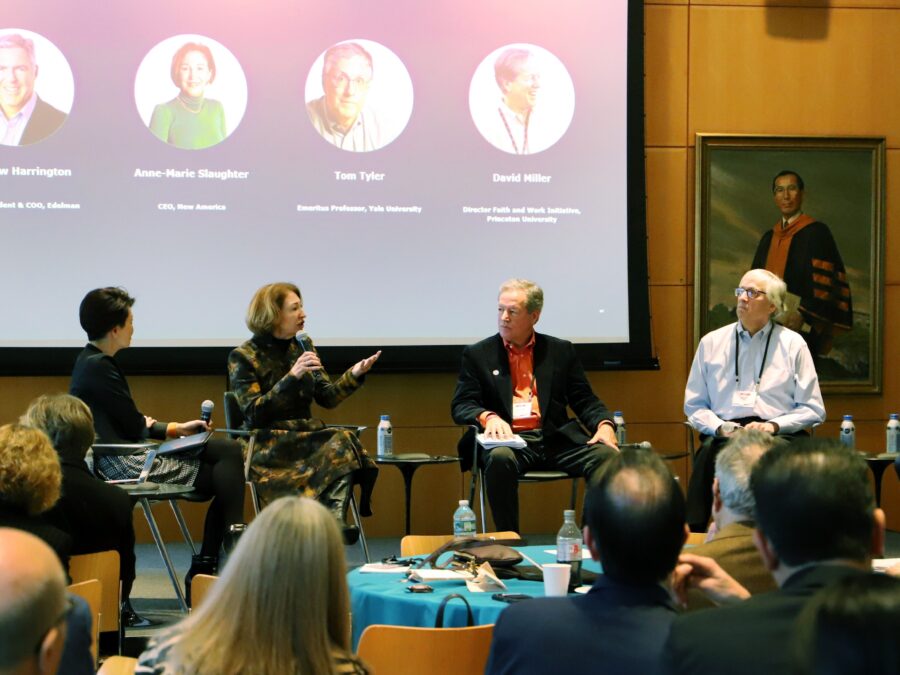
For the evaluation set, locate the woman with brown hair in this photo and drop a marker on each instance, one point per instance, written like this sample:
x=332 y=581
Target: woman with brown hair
x=276 y=380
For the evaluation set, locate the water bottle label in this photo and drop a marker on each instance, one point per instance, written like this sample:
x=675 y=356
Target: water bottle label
x=568 y=551
x=620 y=435
x=464 y=528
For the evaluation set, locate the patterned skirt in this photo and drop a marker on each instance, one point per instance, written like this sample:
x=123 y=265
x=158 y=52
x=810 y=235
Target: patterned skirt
x=165 y=469
x=306 y=462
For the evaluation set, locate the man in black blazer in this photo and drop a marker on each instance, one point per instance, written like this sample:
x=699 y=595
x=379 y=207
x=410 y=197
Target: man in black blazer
x=520 y=382
x=816 y=523
x=24 y=117
x=635 y=528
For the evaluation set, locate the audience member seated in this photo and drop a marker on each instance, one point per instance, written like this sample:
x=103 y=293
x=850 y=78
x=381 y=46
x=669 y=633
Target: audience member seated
x=816 y=524
x=276 y=380
x=96 y=515
x=851 y=628
x=30 y=479
x=105 y=315
x=753 y=373
x=730 y=541
x=523 y=382
x=281 y=605
x=635 y=527
x=33 y=605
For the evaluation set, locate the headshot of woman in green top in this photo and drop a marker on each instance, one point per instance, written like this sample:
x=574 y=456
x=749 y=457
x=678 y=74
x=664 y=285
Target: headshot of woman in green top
x=190 y=120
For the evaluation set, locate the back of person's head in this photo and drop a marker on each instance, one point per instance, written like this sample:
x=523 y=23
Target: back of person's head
x=814 y=502
x=32 y=604
x=635 y=513
x=281 y=605
x=850 y=628
x=103 y=309
x=66 y=420
x=734 y=464
x=30 y=475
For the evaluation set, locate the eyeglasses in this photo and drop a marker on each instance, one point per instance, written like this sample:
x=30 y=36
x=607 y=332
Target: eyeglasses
x=751 y=292
x=341 y=81
x=64 y=615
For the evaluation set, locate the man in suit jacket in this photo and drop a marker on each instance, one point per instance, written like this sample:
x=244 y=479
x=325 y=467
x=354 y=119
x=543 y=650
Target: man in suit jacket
x=635 y=527
x=816 y=523
x=24 y=117
x=730 y=541
x=520 y=382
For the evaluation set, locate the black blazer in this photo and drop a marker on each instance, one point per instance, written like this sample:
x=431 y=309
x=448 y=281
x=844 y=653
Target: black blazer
x=96 y=515
x=615 y=628
x=44 y=120
x=98 y=381
x=485 y=384
x=751 y=637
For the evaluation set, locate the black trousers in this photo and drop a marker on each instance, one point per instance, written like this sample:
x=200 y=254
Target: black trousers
x=221 y=475
x=504 y=465
x=703 y=471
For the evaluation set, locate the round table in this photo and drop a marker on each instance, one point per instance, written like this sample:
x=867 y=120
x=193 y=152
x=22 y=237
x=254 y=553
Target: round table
x=382 y=598
x=408 y=463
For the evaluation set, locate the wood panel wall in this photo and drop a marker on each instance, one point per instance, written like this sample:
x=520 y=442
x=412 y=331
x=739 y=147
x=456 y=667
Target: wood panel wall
x=742 y=66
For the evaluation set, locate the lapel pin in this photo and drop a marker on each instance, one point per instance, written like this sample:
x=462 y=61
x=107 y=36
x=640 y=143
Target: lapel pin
x=495 y=372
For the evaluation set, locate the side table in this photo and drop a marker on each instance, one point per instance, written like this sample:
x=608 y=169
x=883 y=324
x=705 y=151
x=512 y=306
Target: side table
x=408 y=463
x=878 y=464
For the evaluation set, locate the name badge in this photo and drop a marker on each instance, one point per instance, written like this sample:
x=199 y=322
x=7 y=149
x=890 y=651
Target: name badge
x=744 y=399
x=521 y=410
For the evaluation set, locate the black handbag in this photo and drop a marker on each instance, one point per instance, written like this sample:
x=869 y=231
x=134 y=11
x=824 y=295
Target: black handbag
x=439 y=621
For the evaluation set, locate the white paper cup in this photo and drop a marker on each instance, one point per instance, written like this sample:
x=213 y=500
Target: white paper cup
x=556 y=579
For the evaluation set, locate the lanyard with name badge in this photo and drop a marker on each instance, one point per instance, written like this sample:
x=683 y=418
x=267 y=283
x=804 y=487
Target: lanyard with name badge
x=522 y=409
x=747 y=399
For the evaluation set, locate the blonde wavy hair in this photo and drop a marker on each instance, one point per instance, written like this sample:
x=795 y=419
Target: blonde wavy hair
x=281 y=605
x=30 y=475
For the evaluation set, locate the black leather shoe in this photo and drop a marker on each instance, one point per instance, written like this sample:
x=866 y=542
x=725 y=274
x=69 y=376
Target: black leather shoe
x=200 y=564
x=131 y=619
x=351 y=534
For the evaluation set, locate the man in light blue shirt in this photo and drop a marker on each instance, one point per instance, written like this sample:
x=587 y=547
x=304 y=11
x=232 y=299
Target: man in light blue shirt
x=754 y=374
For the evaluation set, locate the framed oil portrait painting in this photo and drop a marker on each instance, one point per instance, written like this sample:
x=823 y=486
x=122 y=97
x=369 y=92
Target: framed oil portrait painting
x=810 y=209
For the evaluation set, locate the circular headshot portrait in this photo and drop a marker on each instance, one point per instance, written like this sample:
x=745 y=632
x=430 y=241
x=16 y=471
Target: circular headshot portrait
x=190 y=92
x=359 y=95
x=521 y=99
x=36 y=87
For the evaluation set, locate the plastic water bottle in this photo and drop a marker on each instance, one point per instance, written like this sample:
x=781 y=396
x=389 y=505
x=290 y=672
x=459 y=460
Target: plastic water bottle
x=385 y=437
x=463 y=520
x=569 y=545
x=619 y=421
x=848 y=432
x=893 y=433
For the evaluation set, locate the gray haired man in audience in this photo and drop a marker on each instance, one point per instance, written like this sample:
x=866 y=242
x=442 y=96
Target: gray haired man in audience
x=816 y=523
x=33 y=605
x=730 y=540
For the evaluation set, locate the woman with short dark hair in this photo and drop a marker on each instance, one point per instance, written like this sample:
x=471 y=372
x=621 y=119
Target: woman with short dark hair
x=106 y=317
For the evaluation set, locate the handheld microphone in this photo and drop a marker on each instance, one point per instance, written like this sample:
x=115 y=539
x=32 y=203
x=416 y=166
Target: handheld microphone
x=303 y=340
x=206 y=410
x=643 y=445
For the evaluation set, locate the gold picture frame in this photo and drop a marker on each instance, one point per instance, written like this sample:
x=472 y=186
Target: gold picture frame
x=844 y=189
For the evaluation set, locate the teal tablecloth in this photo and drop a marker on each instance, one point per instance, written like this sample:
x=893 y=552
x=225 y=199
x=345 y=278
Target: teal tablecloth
x=383 y=598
